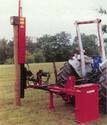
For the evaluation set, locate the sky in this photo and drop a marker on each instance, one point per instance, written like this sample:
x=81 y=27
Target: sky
x=51 y=16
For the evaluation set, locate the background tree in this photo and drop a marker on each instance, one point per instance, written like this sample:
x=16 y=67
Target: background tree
x=56 y=47
x=102 y=10
x=9 y=51
x=104 y=28
x=39 y=56
x=89 y=44
x=49 y=48
x=29 y=57
x=3 y=52
x=30 y=45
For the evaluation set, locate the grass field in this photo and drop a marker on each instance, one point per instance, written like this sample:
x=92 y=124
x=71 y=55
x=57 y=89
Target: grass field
x=35 y=106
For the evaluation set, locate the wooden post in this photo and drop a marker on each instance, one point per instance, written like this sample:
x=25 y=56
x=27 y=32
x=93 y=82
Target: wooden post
x=17 y=67
x=55 y=71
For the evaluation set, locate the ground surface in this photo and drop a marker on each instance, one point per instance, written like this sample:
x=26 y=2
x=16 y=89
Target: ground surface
x=34 y=109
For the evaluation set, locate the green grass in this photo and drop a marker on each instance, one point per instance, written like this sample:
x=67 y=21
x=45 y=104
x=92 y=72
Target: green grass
x=35 y=106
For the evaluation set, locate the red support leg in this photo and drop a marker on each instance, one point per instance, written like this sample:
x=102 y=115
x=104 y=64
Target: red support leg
x=51 y=106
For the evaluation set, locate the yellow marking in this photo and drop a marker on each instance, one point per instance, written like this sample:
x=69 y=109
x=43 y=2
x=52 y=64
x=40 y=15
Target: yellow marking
x=22 y=23
x=22 y=18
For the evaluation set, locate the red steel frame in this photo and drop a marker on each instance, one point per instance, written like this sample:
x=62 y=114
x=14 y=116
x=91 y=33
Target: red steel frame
x=20 y=48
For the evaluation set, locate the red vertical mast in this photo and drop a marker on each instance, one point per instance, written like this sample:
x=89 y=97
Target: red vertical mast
x=21 y=48
x=19 y=9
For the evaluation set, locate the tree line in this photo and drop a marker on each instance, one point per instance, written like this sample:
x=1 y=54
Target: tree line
x=49 y=48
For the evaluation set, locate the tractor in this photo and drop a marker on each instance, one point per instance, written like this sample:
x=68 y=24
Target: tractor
x=88 y=69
